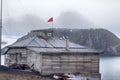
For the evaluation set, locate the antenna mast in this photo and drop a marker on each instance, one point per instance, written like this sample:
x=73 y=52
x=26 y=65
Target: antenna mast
x=0 y=28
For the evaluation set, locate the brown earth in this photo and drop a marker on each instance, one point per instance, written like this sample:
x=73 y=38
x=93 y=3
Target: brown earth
x=20 y=76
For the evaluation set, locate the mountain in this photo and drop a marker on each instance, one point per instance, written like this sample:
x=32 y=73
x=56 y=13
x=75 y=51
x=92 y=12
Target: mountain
x=100 y=39
x=4 y=42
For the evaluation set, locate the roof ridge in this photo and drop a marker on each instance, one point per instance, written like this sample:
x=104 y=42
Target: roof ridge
x=51 y=44
x=30 y=40
x=36 y=41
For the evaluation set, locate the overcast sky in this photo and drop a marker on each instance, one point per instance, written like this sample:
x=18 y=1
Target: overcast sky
x=21 y=16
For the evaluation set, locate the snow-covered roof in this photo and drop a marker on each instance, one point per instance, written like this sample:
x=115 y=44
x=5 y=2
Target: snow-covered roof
x=51 y=45
x=46 y=43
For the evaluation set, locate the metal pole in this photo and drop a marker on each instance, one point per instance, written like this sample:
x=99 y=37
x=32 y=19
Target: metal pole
x=52 y=29
x=0 y=30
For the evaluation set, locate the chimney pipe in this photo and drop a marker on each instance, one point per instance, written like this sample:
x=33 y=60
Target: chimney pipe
x=67 y=44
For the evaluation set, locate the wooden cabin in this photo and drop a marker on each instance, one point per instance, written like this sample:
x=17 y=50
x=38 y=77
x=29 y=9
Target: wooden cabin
x=50 y=55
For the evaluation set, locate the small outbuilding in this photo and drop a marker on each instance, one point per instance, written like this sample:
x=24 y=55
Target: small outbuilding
x=50 y=55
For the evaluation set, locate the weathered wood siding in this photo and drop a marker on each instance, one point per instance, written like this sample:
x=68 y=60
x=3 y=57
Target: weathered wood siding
x=74 y=63
x=24 y=56
x=35 y=59
x=49 y=63
x=18 y=56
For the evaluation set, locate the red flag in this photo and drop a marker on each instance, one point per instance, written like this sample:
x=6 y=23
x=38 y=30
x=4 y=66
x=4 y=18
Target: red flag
x=50 y=19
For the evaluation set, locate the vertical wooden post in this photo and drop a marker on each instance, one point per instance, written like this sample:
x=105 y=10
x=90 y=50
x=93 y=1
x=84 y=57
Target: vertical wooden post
x=16 y=58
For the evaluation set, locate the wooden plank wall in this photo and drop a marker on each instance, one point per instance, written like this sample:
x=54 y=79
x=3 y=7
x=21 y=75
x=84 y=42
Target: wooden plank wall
x=10 y=57
x=34 y=59
x=74 y=63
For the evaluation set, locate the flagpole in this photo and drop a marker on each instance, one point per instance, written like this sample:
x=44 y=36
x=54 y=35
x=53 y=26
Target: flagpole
x=52 y=29
x=51 y=20
x=0 y=29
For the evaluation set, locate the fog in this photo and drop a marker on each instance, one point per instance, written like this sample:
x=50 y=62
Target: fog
x=22 y=16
